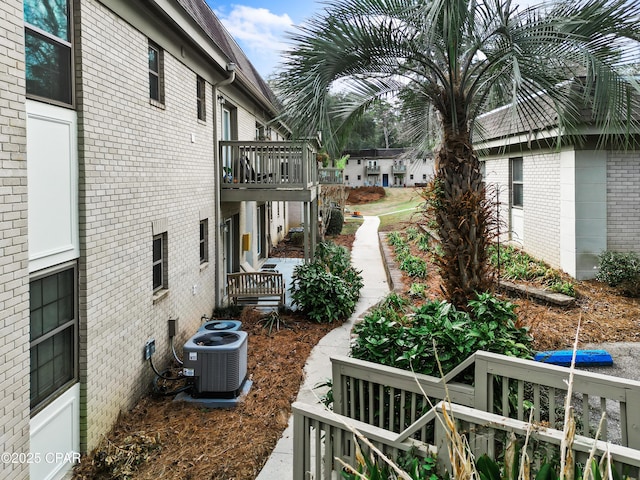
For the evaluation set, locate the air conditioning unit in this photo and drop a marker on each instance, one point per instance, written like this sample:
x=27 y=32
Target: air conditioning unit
x=217 y=363
x=220 y=326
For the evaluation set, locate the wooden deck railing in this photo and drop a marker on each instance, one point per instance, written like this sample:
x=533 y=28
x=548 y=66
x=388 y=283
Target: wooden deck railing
x=268 y=165
x=321 y=437
x=331 y=176
x=503 y=385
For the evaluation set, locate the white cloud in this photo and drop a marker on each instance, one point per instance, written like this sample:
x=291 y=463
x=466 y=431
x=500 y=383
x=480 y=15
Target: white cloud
x=259 y=32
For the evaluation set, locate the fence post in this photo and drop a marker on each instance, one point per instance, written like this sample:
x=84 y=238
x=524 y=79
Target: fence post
x=336 y=379
x=633 y=418
x=440 y=440
x=301 y=461
x=482 y=395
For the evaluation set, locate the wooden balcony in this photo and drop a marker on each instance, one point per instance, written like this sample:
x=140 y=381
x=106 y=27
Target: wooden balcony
x=372 y=170
x=331 y=176
x=399 y=169
x=268 y=171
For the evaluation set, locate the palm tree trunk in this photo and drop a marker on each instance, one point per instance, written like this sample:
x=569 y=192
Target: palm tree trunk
x=463 y=219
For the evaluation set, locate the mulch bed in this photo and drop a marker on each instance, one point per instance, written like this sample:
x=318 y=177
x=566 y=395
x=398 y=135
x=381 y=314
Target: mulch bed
x=178 y=440
x=604 y=314
x=183 y=441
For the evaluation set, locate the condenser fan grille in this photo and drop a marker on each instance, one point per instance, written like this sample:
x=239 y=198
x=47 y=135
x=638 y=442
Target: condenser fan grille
x=214 y=339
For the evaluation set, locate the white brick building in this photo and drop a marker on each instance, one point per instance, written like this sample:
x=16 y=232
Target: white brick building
x=387 y=167
x=115 y=213
x=563 y=205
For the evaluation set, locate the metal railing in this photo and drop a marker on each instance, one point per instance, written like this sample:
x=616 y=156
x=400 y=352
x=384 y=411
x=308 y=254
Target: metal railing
x=372 y=169
x=399 y=169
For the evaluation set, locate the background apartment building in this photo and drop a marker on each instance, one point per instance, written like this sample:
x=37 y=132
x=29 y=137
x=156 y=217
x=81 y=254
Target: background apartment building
x=387 y=167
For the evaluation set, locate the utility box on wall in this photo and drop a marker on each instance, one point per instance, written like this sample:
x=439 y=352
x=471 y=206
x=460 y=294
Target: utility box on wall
x=246 y=242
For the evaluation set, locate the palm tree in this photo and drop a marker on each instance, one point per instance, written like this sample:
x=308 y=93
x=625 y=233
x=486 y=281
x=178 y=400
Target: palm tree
x=463 y=58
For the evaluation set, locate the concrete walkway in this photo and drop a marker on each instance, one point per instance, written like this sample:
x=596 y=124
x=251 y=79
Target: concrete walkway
x=365 y=256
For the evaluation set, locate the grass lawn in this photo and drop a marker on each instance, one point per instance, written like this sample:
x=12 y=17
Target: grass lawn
x=396 y=209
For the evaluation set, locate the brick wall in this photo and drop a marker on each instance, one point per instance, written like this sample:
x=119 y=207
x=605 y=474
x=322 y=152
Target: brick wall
x=541 y=173
x=541 y=202
x=139 y=163
x=14 y=275
x=497 y=184
x=623 y=202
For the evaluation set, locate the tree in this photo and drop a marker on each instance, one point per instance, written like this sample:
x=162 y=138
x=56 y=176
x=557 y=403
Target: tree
x=463 y=58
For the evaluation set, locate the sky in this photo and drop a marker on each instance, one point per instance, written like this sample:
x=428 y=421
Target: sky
x=260 y=27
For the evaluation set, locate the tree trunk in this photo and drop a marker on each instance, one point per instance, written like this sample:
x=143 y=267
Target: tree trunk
x=463 y=217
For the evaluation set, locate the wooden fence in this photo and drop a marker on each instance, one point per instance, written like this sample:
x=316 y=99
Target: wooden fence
x=398 y=410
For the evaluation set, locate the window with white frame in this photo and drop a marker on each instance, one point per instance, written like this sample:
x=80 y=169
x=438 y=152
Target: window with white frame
x=517 y=185
x=160 y=262
x=48 y=50
x=156 y=75
x=53 y=333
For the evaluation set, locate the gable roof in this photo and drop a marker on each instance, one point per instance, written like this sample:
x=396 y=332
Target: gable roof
x=215 y=30
x=537 y=119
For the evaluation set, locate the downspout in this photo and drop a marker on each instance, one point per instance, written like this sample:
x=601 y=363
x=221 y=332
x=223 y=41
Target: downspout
x=231 y=68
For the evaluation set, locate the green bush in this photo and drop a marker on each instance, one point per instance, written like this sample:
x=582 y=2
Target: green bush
x=620 y=270
x=414 y=266
x=336 y=221
x=373 y=468
x=297 y=239
x=328 y=288
x=392 y=338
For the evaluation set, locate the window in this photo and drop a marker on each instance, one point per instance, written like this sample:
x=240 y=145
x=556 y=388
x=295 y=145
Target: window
x=48 y=55
x=156 y=80
x=346 y=177
x=201 y=87
x=517 y=187
x=204 y=241
x=53 y=333
x=261 y=239
x=159 y=262
x=411 y=176
x=359 y=177
x=424 y=176
x=359 y=161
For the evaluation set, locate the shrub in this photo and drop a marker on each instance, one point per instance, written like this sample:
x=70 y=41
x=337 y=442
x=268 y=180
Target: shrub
x=328 y=288
x=336 y=221
x=620 y=270
x=335 y=257
x=297 y=239
x=516 y=264
x=414 y=266
x=391 y=338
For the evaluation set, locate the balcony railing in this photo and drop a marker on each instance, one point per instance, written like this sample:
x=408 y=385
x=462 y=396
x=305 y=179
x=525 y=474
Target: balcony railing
x=267 y=166
x=372 y=169
x=331 y=176
x=399 y=169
